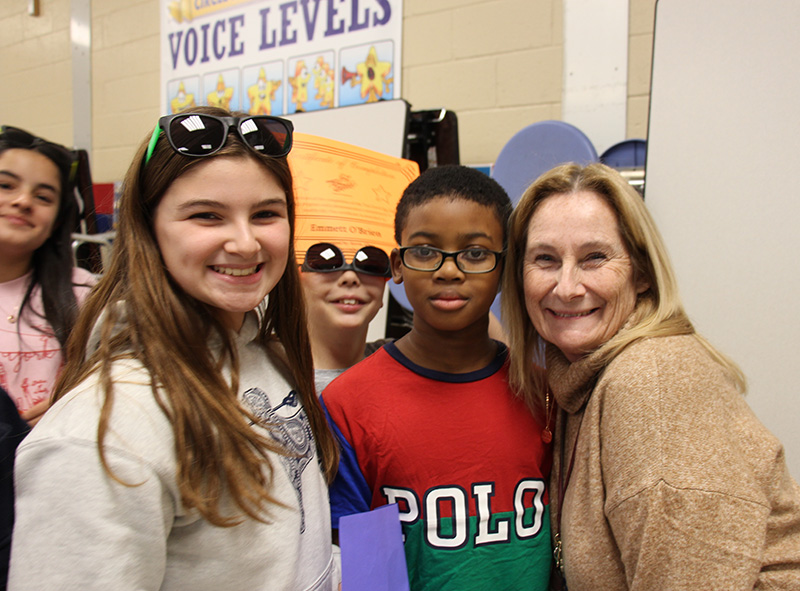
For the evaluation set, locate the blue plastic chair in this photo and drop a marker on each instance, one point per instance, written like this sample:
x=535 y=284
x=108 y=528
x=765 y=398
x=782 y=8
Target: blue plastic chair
x=537 y=148
x=534 y=150
x=626 y=154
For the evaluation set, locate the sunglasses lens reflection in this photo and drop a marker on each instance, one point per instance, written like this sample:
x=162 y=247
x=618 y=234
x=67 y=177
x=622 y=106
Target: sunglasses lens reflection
x=371 y=260
x=324 y=257
x=268 y=136
x=197 y=135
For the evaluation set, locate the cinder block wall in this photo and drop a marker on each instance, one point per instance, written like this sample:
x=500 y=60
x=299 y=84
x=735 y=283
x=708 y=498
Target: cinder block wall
x=36 y=68
x=497 y=63
x=126 y=80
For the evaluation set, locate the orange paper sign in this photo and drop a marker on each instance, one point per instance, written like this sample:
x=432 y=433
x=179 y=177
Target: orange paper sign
x=345 y=195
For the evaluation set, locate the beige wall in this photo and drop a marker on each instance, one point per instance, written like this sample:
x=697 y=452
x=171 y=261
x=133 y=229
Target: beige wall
x=125 y=81
x=36 y=69
x=496 y=63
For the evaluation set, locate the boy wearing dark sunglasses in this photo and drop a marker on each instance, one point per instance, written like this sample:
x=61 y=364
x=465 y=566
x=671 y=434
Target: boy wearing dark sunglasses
x=429 y=422
x=341 y=300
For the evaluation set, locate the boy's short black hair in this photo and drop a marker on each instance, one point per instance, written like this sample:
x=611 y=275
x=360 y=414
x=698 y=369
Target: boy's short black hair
x=454 y=182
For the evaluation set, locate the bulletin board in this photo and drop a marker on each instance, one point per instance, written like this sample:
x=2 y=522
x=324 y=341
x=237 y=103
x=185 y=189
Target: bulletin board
x=722 y=160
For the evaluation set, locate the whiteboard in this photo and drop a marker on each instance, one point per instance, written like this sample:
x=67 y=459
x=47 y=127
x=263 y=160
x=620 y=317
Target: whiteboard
x=381 y=127
x=722 y=160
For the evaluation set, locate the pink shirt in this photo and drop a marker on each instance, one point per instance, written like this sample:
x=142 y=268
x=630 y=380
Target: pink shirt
x=30 y=360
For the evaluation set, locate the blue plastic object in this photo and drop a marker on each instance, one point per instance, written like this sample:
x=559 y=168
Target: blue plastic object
x=398 y=292
x=626 y=154
x=534 y=150
x=537 y=148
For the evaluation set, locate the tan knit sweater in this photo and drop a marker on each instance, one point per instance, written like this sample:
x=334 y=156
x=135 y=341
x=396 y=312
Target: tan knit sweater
x=675 y=484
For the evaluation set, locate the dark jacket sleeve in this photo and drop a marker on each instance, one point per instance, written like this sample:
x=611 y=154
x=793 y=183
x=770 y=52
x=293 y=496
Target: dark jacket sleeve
x=12 y=430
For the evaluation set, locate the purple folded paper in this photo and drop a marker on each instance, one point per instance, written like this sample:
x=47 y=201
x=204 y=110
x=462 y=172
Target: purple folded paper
x=373 y=558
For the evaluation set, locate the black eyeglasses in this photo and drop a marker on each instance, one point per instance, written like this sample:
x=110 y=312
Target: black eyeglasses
x=469 y=260
x=198 y=134
x=327 y=258
x=14 y=137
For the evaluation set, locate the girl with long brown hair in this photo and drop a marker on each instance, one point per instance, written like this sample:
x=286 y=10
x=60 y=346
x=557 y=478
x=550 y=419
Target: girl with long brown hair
x=186 y=448
x=40 y=288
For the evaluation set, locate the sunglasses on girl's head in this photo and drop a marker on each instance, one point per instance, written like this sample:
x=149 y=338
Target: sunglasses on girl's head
x=327 y=258
x=198 y=134
x=13 y=137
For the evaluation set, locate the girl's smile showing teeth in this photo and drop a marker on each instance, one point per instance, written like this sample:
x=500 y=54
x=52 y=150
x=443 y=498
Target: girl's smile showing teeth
x=236 y=272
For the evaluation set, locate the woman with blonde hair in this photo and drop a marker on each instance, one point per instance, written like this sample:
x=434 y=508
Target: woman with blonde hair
x=663 y=477
x=186 y=448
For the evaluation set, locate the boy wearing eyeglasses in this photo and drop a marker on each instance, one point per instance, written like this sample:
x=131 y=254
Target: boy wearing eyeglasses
x=429 y=422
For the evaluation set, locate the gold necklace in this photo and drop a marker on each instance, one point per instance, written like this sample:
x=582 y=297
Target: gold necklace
x=547 y=434
x=13 y=315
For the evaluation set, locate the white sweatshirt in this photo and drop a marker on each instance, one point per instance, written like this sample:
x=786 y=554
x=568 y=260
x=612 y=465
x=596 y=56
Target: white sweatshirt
x=77 y=528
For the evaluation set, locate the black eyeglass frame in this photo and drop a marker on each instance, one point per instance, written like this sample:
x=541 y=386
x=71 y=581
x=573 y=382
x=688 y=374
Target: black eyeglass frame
x=164 y=124
x=345 y=266
x=498 y=256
